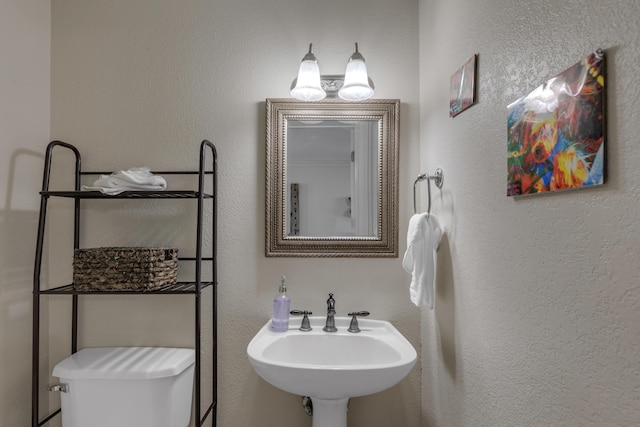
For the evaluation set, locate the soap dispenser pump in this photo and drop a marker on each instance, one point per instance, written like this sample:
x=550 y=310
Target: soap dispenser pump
x=281 y=307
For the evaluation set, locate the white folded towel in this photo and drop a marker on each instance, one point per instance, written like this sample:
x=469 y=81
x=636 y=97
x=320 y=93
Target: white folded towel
x=130 y=180
x=423 y=238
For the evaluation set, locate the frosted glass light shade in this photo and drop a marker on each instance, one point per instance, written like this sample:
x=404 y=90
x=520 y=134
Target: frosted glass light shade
x=308 y=86
x=356 y=80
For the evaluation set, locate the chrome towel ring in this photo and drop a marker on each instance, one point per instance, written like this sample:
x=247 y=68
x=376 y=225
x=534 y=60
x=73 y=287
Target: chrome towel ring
x=438 y=178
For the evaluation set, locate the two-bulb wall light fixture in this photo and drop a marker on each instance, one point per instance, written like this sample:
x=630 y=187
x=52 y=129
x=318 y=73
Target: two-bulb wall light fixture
x=355 y=85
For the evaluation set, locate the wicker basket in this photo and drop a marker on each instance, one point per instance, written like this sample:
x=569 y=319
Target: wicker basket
x=107 y=269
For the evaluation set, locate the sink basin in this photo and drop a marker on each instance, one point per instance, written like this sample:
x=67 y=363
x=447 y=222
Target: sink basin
x=331 y=367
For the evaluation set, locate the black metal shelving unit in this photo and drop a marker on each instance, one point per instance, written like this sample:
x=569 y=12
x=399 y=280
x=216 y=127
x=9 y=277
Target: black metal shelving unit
x=206 y=192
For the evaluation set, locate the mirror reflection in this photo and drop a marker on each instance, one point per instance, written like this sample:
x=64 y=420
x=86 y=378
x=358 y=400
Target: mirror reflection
x=332 y=168
x=331 y=178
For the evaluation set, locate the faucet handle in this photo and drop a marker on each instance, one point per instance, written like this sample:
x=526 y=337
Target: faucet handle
x=305 y=326
x=359 y=313
x=353 y=327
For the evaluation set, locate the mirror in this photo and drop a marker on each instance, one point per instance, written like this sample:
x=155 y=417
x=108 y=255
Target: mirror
x=332 y=178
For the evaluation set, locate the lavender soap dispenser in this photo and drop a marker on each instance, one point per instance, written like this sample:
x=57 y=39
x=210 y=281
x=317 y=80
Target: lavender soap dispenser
x=281 y=307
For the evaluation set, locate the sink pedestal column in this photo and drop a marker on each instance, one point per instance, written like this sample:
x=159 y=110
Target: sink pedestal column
x=329 y=413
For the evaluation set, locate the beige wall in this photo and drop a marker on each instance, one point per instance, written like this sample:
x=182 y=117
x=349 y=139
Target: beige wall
x=537 y=318
x=143 y=83
x=25 y=37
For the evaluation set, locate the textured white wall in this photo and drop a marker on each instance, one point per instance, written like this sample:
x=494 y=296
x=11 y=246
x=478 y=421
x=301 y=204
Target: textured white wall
x=24 y=131
x=537 y=318
x=144 y=82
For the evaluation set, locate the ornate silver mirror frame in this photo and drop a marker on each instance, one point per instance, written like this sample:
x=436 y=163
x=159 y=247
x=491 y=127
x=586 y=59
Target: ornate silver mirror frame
x=281 y=242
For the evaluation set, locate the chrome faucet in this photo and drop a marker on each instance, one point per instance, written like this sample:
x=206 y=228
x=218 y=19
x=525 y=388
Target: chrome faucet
x=331 y=312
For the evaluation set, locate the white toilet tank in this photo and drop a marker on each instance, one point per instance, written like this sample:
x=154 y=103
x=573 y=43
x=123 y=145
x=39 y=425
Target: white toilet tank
x=127 y=387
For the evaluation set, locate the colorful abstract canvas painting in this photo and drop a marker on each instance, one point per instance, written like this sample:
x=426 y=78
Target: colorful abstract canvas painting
x=462 y=91
x=556 y=134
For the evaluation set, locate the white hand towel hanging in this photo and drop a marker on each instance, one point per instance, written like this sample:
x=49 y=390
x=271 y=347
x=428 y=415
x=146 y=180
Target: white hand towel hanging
x=130 y=180
x=423 y=238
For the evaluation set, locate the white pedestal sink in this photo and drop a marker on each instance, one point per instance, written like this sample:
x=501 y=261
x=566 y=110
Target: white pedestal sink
x=331 y=367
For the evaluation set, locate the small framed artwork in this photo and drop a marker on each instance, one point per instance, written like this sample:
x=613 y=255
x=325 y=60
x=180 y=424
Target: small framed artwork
x=462 y=92
x=556 y=134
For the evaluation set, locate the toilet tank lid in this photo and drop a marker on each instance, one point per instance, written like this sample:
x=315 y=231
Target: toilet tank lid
x=125 y=363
